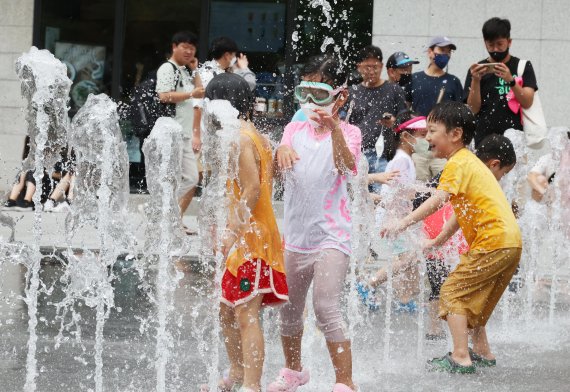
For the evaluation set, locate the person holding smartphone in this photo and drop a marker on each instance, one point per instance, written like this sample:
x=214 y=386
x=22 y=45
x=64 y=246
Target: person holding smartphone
x=490 y=80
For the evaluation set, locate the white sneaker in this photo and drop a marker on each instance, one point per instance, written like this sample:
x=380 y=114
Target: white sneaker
x=61 y=207
x=49 y=205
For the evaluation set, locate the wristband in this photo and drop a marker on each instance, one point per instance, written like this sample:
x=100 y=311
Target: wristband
x=512 y=83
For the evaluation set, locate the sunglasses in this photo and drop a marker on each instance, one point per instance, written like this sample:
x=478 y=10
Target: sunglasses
x=319 y=93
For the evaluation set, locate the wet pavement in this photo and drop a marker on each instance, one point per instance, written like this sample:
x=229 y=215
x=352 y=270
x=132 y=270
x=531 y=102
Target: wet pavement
x=533 y=351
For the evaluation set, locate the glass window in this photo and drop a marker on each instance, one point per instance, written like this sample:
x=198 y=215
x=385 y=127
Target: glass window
x=80 y=33
x=259 y=29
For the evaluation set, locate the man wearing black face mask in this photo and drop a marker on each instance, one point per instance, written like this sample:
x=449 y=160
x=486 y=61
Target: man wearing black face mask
x=487 y=86
x=434 y=85
x=399 y=68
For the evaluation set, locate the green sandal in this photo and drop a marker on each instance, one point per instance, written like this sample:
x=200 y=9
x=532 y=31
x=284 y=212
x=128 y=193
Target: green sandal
x=447 y=364
x=479 y=361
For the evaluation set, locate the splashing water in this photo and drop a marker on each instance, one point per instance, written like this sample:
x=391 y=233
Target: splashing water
x=101 y=200
x=326 y=42
x=162 y=151
x=221 y=151
x=46 y=87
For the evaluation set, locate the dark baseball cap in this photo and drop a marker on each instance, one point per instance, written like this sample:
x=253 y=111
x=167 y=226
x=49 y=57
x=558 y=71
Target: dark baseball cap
x=441 y=41
x=399 y=60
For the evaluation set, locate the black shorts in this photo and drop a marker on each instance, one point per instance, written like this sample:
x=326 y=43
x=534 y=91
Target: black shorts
x=30 y=177
x=437 y=272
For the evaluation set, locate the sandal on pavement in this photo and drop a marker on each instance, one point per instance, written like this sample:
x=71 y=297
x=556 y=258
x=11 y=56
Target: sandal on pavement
x=480 y=361
x=366 y=294
x=447 y=364
x=289 y=380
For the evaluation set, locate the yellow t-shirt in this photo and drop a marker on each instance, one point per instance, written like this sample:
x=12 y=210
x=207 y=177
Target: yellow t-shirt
x=481 y=208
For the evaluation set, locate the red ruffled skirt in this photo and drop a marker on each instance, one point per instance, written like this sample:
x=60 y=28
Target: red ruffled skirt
x=254 y=277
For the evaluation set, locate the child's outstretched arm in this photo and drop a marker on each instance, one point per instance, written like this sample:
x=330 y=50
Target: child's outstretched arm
x=383 y=178
x=538 y=183
x=285 y=156
x=431 y=205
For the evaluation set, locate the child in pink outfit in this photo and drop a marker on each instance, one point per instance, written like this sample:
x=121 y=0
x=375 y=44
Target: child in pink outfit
x=315 y=157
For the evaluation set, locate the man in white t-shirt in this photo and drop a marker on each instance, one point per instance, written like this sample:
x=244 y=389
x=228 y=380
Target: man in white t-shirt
x=176 y=83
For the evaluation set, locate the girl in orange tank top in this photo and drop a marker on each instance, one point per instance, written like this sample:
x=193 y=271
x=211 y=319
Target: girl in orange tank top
x=254 y=273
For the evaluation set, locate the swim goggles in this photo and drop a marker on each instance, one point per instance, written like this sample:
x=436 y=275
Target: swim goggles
x=319 y=93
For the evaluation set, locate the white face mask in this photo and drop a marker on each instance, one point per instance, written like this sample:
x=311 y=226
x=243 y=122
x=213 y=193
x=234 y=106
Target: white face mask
x=308 y=110
x=233 y=61
x=421 y=147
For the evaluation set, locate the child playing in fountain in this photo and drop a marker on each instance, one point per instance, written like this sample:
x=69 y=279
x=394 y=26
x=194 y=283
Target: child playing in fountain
x=472 y=290
x=254 y=275
x=498 y=154
x=315 y=157
x=409 y=136
x=543 y=173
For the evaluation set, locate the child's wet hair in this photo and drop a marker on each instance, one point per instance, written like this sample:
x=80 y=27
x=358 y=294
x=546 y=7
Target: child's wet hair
x=328 y=67
x=455 y=115
x=497 y=147
x=234 y=89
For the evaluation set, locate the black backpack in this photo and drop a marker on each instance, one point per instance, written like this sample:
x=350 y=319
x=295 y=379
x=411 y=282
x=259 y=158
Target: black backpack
x=145 y=107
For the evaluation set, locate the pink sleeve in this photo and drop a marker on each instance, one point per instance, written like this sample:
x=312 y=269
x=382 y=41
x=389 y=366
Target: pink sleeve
x=288 y=133
x=353 y=139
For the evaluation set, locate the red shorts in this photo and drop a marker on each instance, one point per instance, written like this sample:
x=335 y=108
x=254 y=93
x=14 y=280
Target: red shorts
x=254 y=277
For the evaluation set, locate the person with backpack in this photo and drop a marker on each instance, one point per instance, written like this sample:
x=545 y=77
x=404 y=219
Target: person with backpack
x=180 y=89
x=493 y=82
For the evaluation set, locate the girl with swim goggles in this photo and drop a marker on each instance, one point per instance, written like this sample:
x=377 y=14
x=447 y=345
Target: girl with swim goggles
x=314 y=157
x=320 y=93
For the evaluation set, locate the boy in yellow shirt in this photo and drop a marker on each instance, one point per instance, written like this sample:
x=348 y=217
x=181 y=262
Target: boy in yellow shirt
x=483 y=213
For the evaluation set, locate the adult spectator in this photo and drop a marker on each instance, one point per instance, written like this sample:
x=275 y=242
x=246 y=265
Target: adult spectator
x=435 y=85
x=177 y=84
x=372 y=106
x=223 y=52
x=399 y=69
x=487 y=86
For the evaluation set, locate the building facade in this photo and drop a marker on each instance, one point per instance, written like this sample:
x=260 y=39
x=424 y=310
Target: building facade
x=125 y=36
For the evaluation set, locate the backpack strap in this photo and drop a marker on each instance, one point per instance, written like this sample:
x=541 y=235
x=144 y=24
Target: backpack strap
x=521 y=67
x=176 y=73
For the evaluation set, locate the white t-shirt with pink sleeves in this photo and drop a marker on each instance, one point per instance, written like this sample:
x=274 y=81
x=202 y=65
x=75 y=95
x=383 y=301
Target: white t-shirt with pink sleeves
x=316 y=201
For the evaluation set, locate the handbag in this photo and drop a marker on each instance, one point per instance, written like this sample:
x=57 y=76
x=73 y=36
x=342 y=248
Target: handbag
x=533 y=122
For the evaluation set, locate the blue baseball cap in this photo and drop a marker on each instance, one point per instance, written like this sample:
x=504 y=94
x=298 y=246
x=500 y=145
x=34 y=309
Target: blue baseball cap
x=400 y=60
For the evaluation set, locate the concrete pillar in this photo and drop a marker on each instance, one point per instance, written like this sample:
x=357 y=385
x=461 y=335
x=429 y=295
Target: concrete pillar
x=16 y=20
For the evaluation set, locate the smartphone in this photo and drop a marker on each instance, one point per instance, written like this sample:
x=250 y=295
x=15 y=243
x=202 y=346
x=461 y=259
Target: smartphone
x=490 y=66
